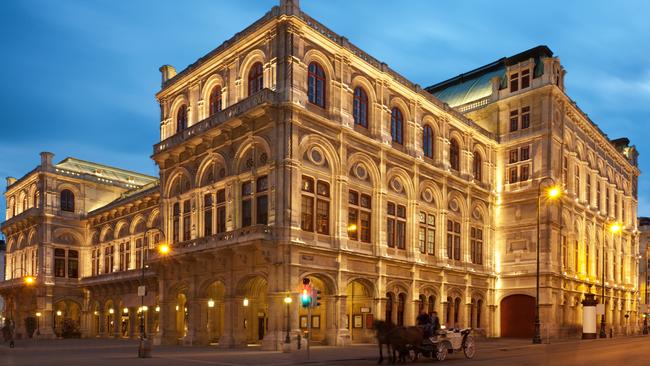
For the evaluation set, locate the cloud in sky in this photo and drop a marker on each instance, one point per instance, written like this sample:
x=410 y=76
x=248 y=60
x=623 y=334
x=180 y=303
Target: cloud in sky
x=79 y=76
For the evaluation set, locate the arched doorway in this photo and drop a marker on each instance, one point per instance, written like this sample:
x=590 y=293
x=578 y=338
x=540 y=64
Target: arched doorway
x=518 y=316
x=254 y=309
x=67 y=319
x=360 y=311
x=319 y=320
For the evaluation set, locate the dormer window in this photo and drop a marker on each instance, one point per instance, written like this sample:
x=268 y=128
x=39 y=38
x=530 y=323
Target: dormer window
x=514 y=82
x=519 y=80
x=525 y=78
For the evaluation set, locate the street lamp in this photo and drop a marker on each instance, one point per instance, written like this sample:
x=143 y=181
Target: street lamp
x=613 y=227
x=163 y=249
x=287 y=300
x=552 y=193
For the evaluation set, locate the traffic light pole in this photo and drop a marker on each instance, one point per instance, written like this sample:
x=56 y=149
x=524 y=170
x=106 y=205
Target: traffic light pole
x=308 y=330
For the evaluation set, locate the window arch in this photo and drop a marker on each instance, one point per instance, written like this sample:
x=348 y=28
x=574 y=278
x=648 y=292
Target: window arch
x=397 y=125
x=454 y=155
x=181 y=118
x=427 y=141
x=67 y=200
x=360 y=107
x=316 y=84
x=478 y=166
x=255 y=78
x=215 y=100
x=388 y=316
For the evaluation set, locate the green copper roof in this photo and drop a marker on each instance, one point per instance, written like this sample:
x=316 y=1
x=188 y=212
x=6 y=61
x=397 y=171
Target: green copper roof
x=105 y=172
x=469 y=90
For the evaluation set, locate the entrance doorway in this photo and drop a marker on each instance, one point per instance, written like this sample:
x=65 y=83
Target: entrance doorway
x=518 y=316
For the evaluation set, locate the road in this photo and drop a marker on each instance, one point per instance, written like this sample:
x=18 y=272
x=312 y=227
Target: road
x=630 y=351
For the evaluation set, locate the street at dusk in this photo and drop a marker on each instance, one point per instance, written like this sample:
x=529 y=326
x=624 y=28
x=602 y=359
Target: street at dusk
x=218 y=182
x=631 y=351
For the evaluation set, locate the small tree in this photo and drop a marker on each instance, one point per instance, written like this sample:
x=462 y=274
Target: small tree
x=30 y=326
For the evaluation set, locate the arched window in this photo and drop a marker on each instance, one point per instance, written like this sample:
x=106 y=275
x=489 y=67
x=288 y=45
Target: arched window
x=432 y=304
x=181 y=118
x=478 y=164
x=427 y=141
x=215 y=100
x=67 y=200
x=454 y=155
x=255 y=78
x=360 y=107
x=397 y=126
x=316 y=84
x=389 y=307
x=401 y=303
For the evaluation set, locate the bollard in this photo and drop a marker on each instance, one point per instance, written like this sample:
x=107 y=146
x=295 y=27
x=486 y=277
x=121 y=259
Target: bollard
x=299 y=340
x=611 y=332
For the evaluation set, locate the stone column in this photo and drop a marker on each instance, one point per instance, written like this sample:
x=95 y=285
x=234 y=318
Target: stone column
x=134 y=323
x=226 y=338
x=276 y=309
x=197 y=332
x=117 y=322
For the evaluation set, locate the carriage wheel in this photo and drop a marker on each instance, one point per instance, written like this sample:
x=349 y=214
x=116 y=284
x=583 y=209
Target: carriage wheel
x=469 y=348
x=441 y=351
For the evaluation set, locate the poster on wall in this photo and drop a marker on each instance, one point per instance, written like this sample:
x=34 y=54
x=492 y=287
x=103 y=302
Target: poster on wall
x=358 y=321
x=347 y=321
x=303 y=321
x=315 y=321
x=369 y=320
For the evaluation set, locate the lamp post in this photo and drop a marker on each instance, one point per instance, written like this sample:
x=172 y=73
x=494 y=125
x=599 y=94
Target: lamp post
x=613 y=228
x=288 y=300
x=144 y=349
x=38 y=323
x=553 y=192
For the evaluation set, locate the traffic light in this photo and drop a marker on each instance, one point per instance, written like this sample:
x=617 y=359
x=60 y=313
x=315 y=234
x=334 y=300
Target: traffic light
x=315 y=295
x=305 y=295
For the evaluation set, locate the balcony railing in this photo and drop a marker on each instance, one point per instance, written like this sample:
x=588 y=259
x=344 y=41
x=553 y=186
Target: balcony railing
x=265 y=96
x=256 y=232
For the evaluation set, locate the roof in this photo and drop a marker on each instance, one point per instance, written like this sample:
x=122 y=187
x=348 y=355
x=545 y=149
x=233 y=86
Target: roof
x=105 y=172
x=477 y=84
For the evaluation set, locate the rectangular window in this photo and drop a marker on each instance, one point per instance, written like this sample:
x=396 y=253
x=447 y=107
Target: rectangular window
x=59 y=262
x=525 y=78
x=401 y=227
x=525 y=153
x=524 y=173
x=307 y=214
x=221 y=211
x=322 y=217
x=359 y=212
x=208 y=208
x=577 y=180
x=246 y=204
x=453 y=239
x=108 y=259
x=73 y=264
x=390 y=228
x=514 y=82
x=187 y=226
x=122 y=255
x=513 y=175
x=525 y=117
x=476 y=236
x=514 y=120
x=427 y=233
x=94 y=262
x=514 y=156
x=176 y=222
x=262 y=201
x=588 y=188
x=565 y=170
x=138 y=253
x=565 y=251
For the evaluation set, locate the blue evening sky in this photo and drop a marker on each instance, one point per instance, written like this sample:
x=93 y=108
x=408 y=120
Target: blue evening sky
x=79 y=76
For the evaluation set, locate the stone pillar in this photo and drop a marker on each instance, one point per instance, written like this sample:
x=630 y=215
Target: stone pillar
x=335 y=332
x=117 y=322
x=167 y=322
x=276 y=317
x=134 y=323
x=197 y=331
x=227 y=339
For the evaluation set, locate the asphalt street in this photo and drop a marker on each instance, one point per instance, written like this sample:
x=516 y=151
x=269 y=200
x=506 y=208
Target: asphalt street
x=630 y=351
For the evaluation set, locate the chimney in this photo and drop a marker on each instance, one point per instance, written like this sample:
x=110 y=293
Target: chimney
x=168 y=72
x=10 y=181
x=290 y=7
x=46 y=159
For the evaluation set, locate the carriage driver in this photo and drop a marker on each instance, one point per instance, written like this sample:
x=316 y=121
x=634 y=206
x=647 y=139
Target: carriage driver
x=425 y=323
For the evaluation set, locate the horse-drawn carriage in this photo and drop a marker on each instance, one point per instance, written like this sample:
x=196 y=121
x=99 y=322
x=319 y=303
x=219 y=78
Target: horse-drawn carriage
x=410 y=342
x=444 y=342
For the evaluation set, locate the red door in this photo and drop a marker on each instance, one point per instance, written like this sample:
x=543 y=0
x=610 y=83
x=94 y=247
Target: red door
x=518 y=316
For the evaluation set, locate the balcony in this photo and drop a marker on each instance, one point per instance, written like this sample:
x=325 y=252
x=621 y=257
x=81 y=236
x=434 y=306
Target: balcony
x=121 y=276
x=247 y=234
x=264 y=97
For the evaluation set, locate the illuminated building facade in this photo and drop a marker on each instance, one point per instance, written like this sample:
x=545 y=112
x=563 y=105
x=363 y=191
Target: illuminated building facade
x=287 y=152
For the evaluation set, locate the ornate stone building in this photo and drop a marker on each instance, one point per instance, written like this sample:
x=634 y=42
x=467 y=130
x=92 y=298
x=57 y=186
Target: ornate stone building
x=287 y=152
